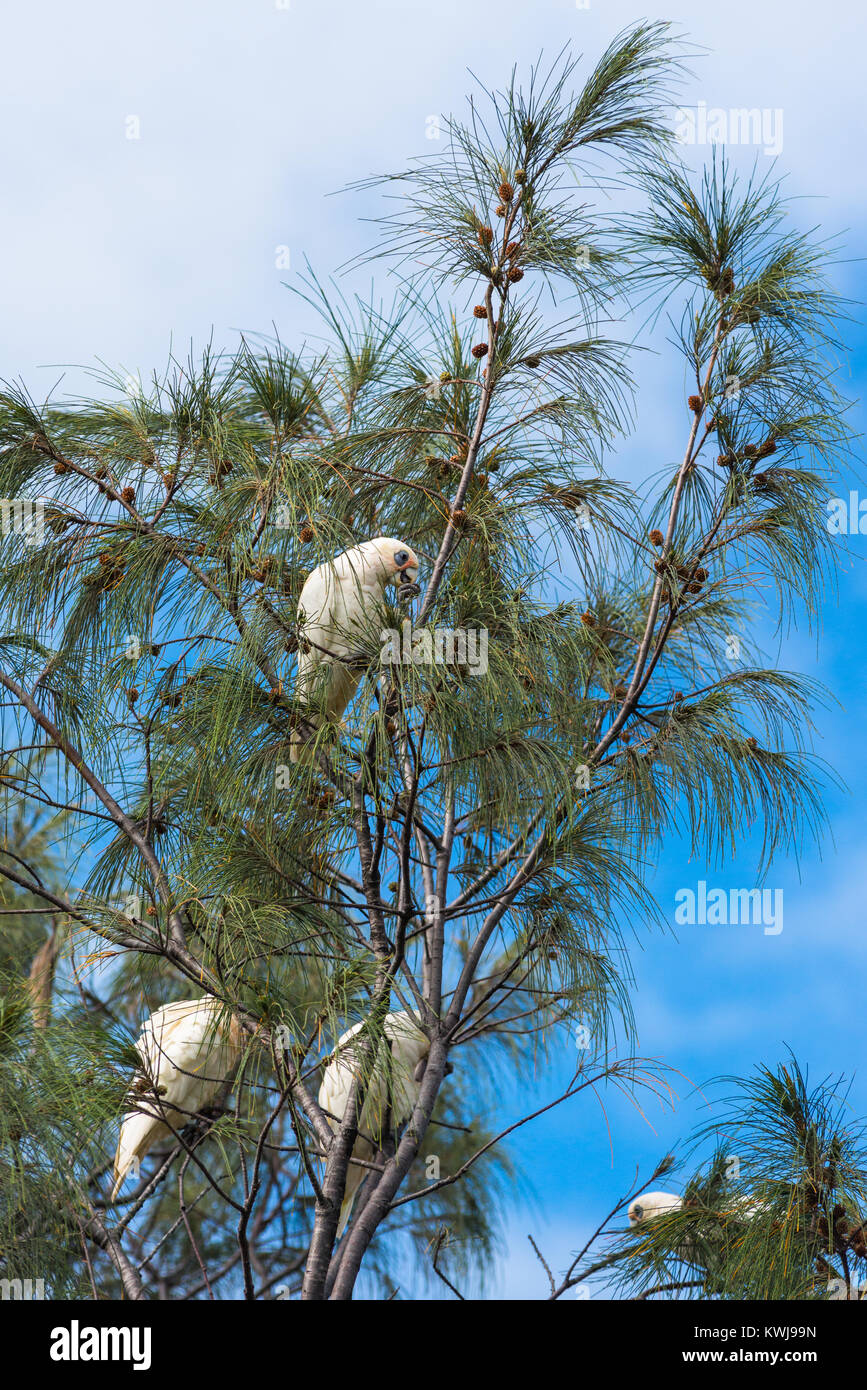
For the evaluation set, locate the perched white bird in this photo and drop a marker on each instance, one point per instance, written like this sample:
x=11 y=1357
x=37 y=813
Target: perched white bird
x=652 y=1204
x=338 y=611
x=393 y=1086
x=187 y=1052
x=704 y=1253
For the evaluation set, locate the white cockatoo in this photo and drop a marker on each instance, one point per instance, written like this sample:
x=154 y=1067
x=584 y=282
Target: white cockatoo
x=188 y=1051
x=393 y=1086
x=339 y=610
x=650 y=1205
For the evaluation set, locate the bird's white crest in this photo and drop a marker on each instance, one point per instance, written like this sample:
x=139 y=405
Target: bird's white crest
x=339 y=613
x=187 y=1052
x=393 y=1087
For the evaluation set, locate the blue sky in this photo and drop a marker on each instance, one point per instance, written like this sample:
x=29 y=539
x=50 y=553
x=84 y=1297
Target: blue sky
x=250 y=114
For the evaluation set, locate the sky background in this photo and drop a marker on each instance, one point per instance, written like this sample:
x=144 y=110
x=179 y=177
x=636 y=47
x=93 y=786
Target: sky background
x=250 y=115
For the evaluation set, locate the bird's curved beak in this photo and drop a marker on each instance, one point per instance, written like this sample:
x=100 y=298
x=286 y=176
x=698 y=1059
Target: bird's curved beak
x=407 y=587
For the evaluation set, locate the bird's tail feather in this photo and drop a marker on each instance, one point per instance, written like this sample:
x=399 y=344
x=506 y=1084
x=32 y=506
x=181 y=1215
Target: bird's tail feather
x=345 y=1213
x=354 y=1178
x=123 y=1164
x=138 y=1132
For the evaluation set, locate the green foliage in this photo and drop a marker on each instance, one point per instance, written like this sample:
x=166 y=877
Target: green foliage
x=440 y=850
x=777 y=1213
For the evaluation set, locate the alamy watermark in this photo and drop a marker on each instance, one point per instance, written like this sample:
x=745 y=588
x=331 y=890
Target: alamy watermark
x=437 y=646
x=739 y=125
x=22 y=1289
x=23 y=516
x=847 y=516
x=757 y=907
x=77 y=1343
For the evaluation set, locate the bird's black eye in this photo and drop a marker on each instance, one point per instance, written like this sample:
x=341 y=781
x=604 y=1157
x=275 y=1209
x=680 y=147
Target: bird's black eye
x=401 y=557
x=638 y=1212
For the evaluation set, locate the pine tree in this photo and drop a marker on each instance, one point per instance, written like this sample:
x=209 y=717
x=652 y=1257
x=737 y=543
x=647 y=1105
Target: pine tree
x=463 y=844
x=776 y=1213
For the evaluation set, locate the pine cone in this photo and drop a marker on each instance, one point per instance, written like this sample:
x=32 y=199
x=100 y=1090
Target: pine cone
x=480 y=312
x=486 y=236
x=127 y=494
x=480 y=349
x=656 y=537
x=306 y=534
x=506 y=192
x=695 y=404
x=515 y=274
